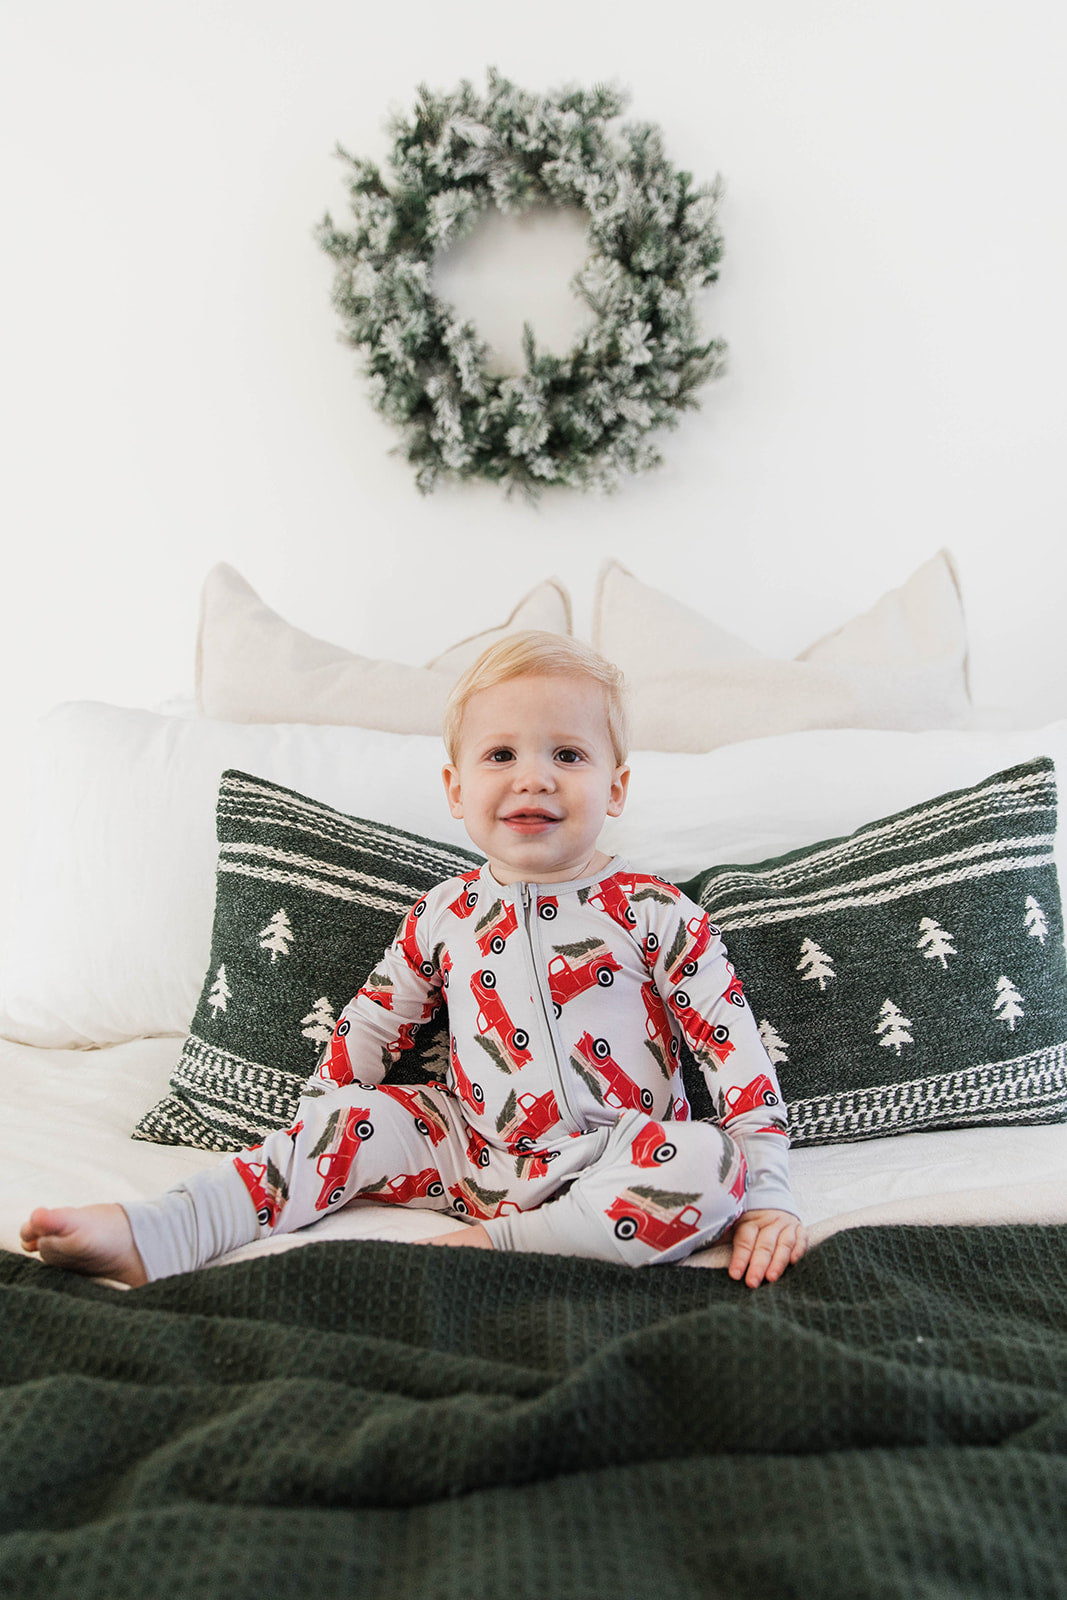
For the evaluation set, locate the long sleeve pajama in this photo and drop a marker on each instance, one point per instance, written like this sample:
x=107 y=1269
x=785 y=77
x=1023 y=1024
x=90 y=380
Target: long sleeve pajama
x=562 y=1124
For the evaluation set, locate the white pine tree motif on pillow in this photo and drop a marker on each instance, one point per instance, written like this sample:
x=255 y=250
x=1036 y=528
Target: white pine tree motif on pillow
x=1036 y=921
x=934 y=942
x=818 y=964
x=775 y=1046
x=220 y=991
x=1008 y=1004
x=319 y=1023
x=277 y=936
x=893 y=1025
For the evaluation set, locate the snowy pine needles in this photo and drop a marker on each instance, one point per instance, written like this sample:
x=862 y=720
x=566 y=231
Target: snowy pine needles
x=580 y=420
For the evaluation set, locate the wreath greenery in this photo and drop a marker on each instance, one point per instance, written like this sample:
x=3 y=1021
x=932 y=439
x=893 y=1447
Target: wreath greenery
x=579 y=420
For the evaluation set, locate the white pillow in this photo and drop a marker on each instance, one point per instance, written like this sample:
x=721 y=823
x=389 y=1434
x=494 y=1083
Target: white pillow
x=748 y=802
x=253 y=666
x=111 y=926
x=693 y=686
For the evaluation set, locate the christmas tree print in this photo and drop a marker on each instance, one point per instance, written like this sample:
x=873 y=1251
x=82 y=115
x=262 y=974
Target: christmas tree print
x=277 y=936
x=326 y=1136
x=502 y=1062
x=893 y=1025
x=319 y=1023
x=1036 y=921
x=1008 y=1004
x=681 y=939
x=817 y=963
x=587 y=1078
x=773 y=1043
x=934 y=942
x=662 y=1200
x=220 y=992
x=658 y=1054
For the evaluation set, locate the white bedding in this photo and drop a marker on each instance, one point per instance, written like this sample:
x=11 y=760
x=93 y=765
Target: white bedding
x=109 y=937
x=65 y=1140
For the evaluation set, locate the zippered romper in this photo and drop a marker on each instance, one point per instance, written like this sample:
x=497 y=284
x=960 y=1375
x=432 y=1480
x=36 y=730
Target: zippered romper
x=562 y=1123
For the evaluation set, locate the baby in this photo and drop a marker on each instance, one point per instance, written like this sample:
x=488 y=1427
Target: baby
x=570 y=981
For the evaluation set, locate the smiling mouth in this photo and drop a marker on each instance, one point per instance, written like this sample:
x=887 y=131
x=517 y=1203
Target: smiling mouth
x=530 y=821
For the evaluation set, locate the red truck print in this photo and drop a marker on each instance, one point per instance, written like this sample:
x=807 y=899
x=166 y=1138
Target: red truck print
x=494 y=1022
x=382 y=990
x=407 y=942
x=525 y=1118
x=477 y=1149
x=548 y=908
x=652 y=1147
x=752 y=1096
x=534 y=1163
x=733 y=991
x=408 y=1187
x=498 y=929
x=621 y=1091
x=471 y=1200
x=467 y=899
x=686 y=962
x=425 y=1115
x=265 y=1183
x=658 y=1027
x=637 y=1215
x=612 y=896
x=334 y=1162
x=266 y=1197
x=472 y=1094
x=702 y=1035
x=596 y=968
x=335 y=1066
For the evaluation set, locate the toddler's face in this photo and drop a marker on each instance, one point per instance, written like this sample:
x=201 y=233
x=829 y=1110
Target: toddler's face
x=536 y=776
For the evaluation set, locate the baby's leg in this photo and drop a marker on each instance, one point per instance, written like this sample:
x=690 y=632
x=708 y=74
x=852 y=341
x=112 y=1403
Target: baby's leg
x=355 y=1140
x=97 y=1240
x=658 y=1191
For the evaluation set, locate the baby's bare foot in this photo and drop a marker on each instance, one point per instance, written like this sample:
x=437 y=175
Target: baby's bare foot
x=96 y=1240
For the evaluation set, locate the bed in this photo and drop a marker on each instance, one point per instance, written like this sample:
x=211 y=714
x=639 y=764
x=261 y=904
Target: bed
x=334 y=1411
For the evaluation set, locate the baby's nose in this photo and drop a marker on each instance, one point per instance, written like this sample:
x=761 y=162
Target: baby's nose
x=533 y=774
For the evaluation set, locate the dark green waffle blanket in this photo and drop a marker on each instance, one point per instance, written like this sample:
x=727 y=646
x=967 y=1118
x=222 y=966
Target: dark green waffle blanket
x=376 y=1420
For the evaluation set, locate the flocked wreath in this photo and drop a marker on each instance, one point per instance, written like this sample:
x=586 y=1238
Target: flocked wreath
x=581 y=419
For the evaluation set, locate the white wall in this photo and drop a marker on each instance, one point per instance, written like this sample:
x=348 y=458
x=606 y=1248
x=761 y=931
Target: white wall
x=174 y=392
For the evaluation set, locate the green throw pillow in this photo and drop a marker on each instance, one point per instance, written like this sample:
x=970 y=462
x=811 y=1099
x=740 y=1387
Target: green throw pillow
x=307 y=899
x=910 y=976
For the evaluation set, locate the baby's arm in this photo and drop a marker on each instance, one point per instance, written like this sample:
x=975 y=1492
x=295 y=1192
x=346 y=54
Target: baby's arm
x=381 y=1020
x=708 y=1010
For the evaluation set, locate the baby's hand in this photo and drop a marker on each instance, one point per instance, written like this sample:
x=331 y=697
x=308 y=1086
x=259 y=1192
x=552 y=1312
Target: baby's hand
x=766 y=1242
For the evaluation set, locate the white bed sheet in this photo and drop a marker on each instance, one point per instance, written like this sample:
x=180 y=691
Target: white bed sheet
x=68 y=1115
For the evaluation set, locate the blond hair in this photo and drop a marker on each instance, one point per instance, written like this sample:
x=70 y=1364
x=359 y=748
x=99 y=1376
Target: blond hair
x=535 y=653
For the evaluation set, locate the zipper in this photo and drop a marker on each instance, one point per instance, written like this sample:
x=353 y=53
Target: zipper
x=567 y=1114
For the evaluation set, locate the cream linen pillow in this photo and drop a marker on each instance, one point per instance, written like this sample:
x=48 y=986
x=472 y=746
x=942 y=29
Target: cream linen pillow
x=253 y=666
x=902 y=664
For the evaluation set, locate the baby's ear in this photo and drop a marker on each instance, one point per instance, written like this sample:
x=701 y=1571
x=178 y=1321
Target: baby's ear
x=619 y=789
x=452 y=793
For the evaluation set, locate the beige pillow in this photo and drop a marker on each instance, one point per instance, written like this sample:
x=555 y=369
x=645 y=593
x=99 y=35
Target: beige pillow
x=253 y=666
x=694 y=686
